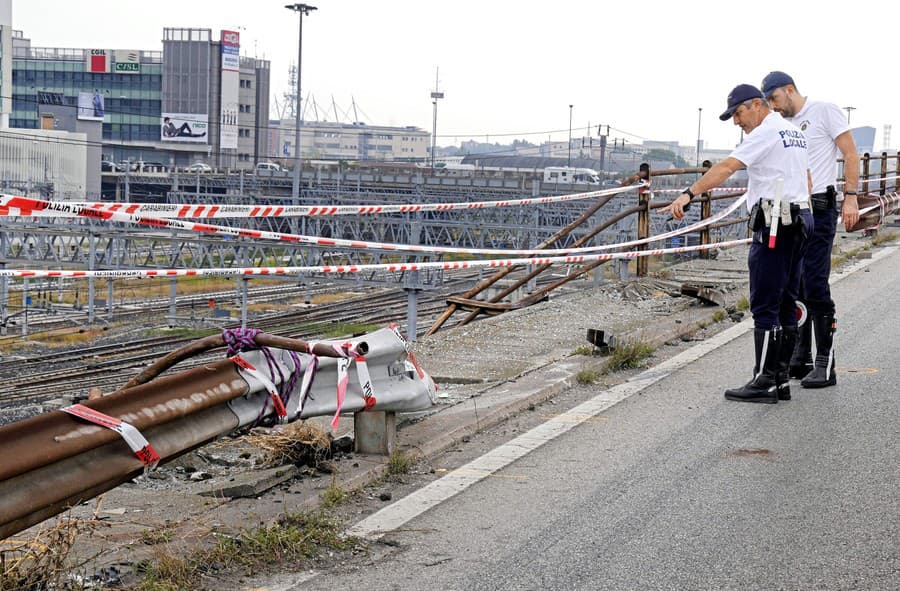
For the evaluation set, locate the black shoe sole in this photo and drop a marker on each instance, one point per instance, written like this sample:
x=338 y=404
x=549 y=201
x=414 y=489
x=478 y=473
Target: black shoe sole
x=766 y=400
x=818 y=385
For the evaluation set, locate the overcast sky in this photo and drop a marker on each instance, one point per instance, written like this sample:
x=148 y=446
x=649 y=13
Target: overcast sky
x=510 y=70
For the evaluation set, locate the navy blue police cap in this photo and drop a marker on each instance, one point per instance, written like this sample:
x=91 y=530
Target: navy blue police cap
x=739 y=94
x=774 y=80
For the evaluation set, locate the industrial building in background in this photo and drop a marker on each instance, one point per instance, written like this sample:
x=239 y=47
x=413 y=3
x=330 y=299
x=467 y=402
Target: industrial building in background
x=197 y=100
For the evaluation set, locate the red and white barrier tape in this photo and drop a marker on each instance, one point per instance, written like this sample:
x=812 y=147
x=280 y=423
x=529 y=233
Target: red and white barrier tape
x=420 y=266
x=246 y=367
x=184 y=210
x=348 y=353
x=81 y=211
x=138 y=444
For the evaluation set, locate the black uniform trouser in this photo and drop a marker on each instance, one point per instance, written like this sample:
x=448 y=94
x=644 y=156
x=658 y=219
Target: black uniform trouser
x=814 y=289
x=775 y=272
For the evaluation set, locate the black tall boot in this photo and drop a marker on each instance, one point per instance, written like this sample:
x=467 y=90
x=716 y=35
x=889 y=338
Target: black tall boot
x=785 y=357
x=763 y=387
x=801 y=359
x=822 y=374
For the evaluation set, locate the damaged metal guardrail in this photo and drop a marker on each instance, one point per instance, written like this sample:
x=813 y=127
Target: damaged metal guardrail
x=61 y=458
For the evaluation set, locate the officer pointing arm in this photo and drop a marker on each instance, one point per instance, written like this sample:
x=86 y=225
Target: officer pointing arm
x=775 y=154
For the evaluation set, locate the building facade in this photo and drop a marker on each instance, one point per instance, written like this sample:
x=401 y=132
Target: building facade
x=44 y=163
x=173 y=107
x=322 y=140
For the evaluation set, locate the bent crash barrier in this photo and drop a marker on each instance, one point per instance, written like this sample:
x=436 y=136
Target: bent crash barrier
x=58 y=459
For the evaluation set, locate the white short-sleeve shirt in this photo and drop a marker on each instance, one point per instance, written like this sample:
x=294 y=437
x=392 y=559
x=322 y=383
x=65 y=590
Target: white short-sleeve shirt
x=775 y=149
x=821 y=123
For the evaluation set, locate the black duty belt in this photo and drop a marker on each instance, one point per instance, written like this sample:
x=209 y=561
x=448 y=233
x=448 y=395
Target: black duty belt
x=824 y=201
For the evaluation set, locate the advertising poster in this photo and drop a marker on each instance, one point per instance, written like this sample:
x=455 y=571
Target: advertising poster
x=91 y=106
x=231 y=64
x=184 y=127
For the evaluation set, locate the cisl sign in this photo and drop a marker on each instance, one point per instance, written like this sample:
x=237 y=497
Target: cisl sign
x=96 y=61
x=127 y=61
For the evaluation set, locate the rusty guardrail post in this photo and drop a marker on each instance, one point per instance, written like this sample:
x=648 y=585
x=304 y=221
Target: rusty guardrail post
x=705 y=212
x=884 y=159
x=643 y=224
x=865 y=174
x=896 y=170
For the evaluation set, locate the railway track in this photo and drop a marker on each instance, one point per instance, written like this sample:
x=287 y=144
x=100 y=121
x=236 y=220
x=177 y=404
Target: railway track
x=37 y=383
x=72 y=373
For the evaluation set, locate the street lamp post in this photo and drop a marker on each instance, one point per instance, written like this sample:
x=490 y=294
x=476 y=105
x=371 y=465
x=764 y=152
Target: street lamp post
x=300 y=9
x=434 y=99
x=848 y=109
x=569 y=161
x=699 y=113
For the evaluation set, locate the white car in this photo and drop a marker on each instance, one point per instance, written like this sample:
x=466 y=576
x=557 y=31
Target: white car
x=267 y=167
x=199 y=167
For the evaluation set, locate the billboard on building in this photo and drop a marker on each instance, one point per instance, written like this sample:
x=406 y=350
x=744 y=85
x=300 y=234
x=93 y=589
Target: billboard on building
x=184 y=127
x=127 y=61
x=230 y=85
x=96 y=61
x=91 y=106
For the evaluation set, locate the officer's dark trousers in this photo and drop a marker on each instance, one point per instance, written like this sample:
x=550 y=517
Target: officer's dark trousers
x=775 y=272
x=814 y=289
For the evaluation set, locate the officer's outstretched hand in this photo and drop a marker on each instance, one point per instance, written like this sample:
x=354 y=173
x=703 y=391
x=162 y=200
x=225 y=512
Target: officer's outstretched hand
x=850 y=211
x=676 y=208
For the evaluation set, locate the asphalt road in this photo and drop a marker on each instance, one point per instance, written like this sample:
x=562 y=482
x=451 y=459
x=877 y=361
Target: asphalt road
x=673 y=487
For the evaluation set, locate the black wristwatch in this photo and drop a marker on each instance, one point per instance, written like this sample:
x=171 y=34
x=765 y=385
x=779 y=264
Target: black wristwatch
x=850 y=193
x=689 y=193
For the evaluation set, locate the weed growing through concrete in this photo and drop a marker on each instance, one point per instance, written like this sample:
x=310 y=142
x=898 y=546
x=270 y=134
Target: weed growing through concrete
x=399 y=463
x=334 y=495
x=883 y=237
x=628 y=355
x=742 y=305
x=294 y=539
x=587 y=376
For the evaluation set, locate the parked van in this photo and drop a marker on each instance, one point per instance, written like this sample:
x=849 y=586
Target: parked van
x=565 y=174
x=267 y=167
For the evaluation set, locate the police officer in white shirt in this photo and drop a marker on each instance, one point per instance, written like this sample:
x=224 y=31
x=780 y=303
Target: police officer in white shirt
x=828 y=133
x=774 y=152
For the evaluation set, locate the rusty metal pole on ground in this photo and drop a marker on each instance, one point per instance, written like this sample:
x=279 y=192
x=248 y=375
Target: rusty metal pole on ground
x=540 y=269
x=484 y=284
x=643 y=224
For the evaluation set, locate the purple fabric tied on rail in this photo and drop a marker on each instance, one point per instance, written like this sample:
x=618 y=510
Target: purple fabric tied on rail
x=244 y=339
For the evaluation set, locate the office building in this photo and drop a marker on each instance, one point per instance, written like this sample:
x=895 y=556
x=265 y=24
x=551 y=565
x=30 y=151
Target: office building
x=196 y=100
x=322 y=140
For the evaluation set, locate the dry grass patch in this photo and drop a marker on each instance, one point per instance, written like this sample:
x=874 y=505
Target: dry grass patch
x=299 y=443
x=45 y=560
x=330 y=298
